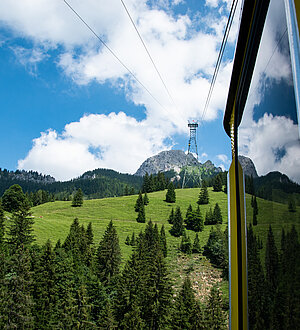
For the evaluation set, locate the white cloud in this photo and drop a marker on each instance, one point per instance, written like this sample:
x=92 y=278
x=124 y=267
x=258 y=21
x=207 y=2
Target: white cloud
x=223 y=158
x=273 y=145
x=119 y=142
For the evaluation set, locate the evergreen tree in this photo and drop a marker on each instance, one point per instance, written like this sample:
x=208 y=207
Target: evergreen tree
x=77 y=198
x=209 y=218
x=146 y=183
x=90 y=234
x=146 y=199
x=44 y=287
x=20 y=229
x=170 y=195
x=107 y=319
x=126 y=191
x=218 y=185
x=217 y=215
x=132 y=241
x=16 y=303
x=185 y=305
x=196 y=245
x=292 y=205
x=171 y=217
x=256 y=284
x=185 y=245
x=189 y=218
x=271 y=261
x=203 y=196
x=141 y=217
x=177 y=228
x=163 y=241
x=139 y=202
x=255 y=210
x=214 y=315
x=198 y=224
x=127 y=240
x=108 y=257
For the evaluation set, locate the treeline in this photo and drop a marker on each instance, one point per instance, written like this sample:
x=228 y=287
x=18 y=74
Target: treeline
x=79 y=284
x=94 y=184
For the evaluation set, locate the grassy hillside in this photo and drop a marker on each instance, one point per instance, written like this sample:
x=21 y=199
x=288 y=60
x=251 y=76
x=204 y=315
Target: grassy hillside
x=53 y=220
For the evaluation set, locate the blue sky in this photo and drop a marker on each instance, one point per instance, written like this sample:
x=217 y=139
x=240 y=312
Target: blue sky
x=67 y=106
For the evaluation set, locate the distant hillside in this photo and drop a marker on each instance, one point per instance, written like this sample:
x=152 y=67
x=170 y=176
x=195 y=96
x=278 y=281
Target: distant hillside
x=277 y=187
x=98 y=183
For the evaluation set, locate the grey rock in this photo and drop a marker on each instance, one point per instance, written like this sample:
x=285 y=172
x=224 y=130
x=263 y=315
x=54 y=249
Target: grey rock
x=248 y=166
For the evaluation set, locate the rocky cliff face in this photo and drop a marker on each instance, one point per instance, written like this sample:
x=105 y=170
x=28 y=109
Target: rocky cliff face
x=22 y=175
x=165 y=161
x=248 y=166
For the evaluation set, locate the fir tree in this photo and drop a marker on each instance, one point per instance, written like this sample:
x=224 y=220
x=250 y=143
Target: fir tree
x=141 y=217
x=189 y=218
x=163 y=241
x=214 y=315
x=146 y=183
x=209 y=218
x=132 y=241
x=107 y=319
x=90 y=234
x=108 y=257
x=20 y=229
x=203 y=196
x=146 y=199
x=196 y=245
x=217 y=215
x=218 y=185
x=16 y=303
x=177 y=228
x=77 y=198
x=185 y=245
x=292 y=205
x=198 y=224
x=171 y=217
x=185 y=305
x=127 y=240
x=170 y=195
x=139 y=202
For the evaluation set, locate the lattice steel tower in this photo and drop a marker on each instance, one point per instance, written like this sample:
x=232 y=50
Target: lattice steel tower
x=194 y=174
x=192 y=147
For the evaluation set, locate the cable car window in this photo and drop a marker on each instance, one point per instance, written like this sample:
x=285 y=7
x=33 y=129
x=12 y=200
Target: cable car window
x=269 y=150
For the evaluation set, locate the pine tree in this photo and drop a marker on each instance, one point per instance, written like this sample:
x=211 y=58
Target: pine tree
x=177 y=228
x=90 y=234
x=198 y=224
x=203 y=196
x=132 y=241
x=108 y=257
x=209 y=218
x=139 y=202
x=20 y=229
x=141 y=217
x=196 y=245
x=171 y=217
x=215 y=318
x=146 y=183
x=185 y=245
x=189 y=218
x=44 y=287
x=107 y=319
x=292 y=205
x=185 y=305
x=146 y=199
x=77 y=198
x=127 y=240
x=217 y=215
x=170 y=195
x=163 y=241
x=16 y=303
x=218 y=185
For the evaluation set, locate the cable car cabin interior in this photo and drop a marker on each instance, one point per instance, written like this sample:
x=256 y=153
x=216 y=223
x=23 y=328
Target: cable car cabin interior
x=262 y=121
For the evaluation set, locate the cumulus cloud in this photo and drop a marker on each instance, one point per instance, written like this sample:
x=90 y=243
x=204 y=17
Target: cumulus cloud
x=273 y=145
x=184 y=54
x=96 y=141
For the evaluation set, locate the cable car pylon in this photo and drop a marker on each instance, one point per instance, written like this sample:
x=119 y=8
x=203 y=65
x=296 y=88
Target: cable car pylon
x=192 y=149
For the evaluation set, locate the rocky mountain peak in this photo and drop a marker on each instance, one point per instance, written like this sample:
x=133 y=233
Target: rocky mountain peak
x=166 y=161
x=248 y=166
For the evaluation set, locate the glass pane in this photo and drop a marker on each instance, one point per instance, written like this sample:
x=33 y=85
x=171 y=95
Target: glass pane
x=270 y=149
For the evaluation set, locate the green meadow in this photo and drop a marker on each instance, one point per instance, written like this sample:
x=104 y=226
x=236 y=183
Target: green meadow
x=53 y=220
